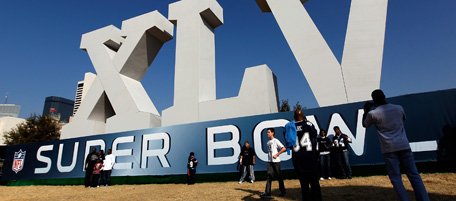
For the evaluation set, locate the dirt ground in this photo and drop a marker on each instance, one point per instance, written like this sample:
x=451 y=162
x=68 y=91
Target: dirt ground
x=440 y=186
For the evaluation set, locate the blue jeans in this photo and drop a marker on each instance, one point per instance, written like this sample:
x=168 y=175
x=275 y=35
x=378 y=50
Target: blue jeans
x=325 y=166
x=343 y=165
x=405 y=158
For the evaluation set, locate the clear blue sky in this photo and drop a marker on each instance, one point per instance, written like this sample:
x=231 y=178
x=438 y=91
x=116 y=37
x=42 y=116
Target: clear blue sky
x=40 y=55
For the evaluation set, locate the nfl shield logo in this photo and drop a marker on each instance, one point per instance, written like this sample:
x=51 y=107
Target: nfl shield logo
x=18 y=162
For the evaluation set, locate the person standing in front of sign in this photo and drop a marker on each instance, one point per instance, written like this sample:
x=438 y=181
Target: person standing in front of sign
x=324 y=145
x=247 y=162
x=101 y=156
x=389 y=122
x=275 y=148
x=108 y=164
x=96 y=173
x=305 y=158
x=191 y=165
x=91 y=159
x=341 y=141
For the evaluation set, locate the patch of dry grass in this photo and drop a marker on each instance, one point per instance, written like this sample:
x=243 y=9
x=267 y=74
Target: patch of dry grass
x=440 y=186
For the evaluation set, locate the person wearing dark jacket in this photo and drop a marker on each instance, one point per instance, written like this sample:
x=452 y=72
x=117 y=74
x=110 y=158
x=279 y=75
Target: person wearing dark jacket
x=305 y=158
x=90 y=161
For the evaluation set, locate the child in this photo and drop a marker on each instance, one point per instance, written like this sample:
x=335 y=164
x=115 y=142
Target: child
x=191 y=165
x=96 y=173
x=274 y=164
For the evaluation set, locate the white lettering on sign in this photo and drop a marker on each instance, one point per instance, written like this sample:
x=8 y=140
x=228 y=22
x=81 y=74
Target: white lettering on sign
x=233 y=144
x=336 y=119
x=160 y=153
x=44 y=159
x=69 y=168
x=116 y=152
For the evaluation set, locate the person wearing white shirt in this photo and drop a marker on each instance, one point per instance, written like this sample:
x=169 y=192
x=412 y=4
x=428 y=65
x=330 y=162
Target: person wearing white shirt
x=108 y=164
x=275 y=148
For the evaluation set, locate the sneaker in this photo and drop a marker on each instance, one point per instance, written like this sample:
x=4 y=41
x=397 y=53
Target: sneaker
x=282 y=195
x=98 y=186
x=329 y=178
x=349 y=177
x=266 y=196
x=91 y=187
x=251 y=181
x=240 y=182
x=321 y=178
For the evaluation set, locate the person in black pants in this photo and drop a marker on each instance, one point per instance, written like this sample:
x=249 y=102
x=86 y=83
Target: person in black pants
x=91 y=159
x=191 y=165
x=108 y=164
x=96 y=174
x=340 y=149
x=275 y=148
x=305 y=158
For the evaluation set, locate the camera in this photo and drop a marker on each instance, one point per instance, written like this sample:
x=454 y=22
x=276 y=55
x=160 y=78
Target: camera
x=368 y=105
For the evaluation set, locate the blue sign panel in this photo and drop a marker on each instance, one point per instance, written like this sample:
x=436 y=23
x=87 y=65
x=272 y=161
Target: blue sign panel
x=217 y=144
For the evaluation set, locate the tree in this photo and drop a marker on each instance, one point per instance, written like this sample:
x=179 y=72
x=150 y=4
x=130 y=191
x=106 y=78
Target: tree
x=297 y=106
x=36 y=129
x=284 y=107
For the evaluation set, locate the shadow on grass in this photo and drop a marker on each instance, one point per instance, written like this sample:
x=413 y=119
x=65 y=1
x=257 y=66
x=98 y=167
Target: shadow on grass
x=345 y=193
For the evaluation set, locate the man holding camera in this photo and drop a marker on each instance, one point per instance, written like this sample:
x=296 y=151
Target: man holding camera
x=388 y=119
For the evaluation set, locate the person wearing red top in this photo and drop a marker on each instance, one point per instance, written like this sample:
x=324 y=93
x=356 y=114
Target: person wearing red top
x=96 y=173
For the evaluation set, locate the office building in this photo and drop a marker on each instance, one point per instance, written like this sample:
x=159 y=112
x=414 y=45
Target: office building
x=6 y=124
x=9 y=110
x=81 y=90
x=58 y=107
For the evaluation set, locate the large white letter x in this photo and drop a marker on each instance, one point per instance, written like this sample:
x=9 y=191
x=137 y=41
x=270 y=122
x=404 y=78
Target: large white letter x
x=117 y=100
